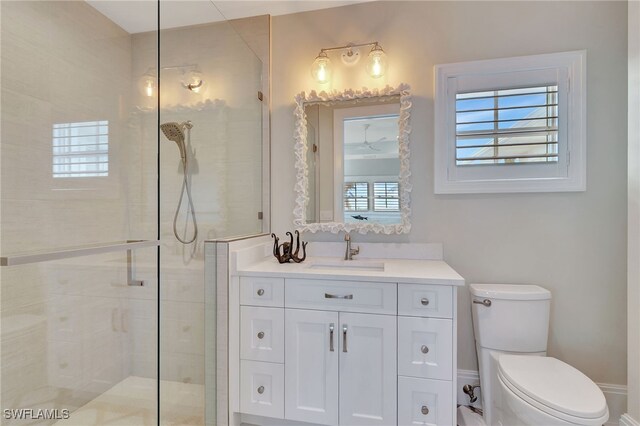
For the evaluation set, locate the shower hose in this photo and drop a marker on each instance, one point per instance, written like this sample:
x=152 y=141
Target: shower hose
x=186 y=187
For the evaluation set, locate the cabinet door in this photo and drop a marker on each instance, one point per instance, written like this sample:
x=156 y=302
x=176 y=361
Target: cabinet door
x=424 y=347
x=311 y=367
x=262 y=388
x=368 y=369
x=262 y=334
x=425 y=402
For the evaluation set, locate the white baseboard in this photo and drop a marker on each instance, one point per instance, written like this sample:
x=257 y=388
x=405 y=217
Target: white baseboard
x=616 y=396
x=627 y=420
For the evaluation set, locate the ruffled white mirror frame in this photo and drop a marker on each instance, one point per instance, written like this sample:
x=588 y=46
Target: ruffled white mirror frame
x=301 y=188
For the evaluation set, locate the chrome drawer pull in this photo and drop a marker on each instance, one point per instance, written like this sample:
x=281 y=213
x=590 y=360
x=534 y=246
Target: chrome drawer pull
x=337 y=296
x=260 y=292
x=261 y=390
x=424 y=410
x=344 y=338
x=485 y=302
x=424 y=301
x=331 y=326
x=261 y=335
x=424 y=349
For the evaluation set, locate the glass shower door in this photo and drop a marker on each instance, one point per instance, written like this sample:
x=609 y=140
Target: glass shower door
x=78 y=225
x=211 y=187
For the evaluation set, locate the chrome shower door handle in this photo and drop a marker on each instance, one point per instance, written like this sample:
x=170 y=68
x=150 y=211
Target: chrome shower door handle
x=331 y=327
x=344 y=338
x=485 y=302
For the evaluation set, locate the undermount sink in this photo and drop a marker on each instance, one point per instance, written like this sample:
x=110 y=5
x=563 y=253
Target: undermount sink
x=348 y=265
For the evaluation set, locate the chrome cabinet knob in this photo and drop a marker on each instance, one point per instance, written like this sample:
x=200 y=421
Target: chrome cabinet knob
x=261 y=335
x=424 y=410
x=261 y=390
x=424 y=349
x=260 y=292
x=424 y=301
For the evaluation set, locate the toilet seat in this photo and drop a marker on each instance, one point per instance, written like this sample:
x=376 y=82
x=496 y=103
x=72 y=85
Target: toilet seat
x=554 y=387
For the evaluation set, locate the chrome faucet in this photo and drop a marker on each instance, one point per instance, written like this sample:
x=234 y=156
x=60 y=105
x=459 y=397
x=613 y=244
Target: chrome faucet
x=348 y=255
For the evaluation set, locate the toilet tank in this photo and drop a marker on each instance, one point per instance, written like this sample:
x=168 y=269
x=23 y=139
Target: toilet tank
x=512 y=318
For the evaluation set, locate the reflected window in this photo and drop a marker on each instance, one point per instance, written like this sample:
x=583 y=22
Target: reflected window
x=356 y=196
x=81 y=150
x=386 y=197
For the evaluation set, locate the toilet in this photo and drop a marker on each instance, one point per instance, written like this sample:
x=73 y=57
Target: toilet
x=520 y=384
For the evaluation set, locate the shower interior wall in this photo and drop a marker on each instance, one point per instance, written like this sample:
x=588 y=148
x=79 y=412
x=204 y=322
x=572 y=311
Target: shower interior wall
x=72 y=329
x=226 y=170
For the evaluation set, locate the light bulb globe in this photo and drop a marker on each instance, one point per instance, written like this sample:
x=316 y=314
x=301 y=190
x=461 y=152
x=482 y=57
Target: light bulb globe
x=321 y=68
x=377 y=62
x=147 y=84
x=193 y=81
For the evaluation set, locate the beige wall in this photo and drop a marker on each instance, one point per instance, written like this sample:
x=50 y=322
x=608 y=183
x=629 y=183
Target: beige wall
x=633 y=306
x=572 y=243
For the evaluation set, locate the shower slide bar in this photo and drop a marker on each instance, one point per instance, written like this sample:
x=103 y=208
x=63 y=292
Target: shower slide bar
x=66 y=253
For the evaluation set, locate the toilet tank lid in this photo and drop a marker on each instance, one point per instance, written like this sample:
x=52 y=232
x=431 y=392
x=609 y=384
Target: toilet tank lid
x=510 y=291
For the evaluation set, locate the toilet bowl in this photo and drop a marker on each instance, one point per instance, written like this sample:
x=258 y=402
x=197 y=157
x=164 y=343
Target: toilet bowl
x=520 y=384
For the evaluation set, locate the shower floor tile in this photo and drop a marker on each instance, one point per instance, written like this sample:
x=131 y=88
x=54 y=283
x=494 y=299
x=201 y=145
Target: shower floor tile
x=132 y=402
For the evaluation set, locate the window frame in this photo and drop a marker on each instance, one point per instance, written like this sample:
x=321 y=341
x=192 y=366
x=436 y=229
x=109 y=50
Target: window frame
x=90 y=187
x=81 y=175
x=374 y=196
x=367 y=197
x=567 y=70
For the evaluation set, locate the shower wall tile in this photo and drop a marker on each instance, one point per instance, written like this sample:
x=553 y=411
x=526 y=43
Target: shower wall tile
x=61 y=62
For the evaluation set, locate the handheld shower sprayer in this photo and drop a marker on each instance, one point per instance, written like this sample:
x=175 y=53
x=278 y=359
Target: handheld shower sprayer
x=176 y=132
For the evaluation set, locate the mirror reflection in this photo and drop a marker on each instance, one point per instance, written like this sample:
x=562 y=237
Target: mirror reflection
x=353 y=162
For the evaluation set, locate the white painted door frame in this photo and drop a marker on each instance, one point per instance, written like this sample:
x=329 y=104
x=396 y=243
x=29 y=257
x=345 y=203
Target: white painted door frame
x=632 y=417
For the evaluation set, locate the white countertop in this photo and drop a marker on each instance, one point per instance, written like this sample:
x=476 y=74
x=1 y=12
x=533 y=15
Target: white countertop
x=395 y=270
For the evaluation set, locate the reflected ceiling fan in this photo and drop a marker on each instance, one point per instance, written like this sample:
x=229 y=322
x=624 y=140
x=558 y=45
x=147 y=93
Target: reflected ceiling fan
x=370 y=144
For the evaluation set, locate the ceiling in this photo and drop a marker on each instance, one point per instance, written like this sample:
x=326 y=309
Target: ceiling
x=381 y=137
x=137 y=16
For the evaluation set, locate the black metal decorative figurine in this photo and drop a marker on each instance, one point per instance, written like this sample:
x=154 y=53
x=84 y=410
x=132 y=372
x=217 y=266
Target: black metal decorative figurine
x=284 y=252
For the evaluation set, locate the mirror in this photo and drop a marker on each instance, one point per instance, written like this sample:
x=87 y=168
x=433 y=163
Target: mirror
x=352 y=161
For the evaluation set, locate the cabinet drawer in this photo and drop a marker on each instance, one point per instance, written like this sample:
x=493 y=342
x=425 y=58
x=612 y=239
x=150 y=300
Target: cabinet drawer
x=262 y=334
x=425 y=402
x=262 y=389
x=425 y=300
x=425 y=347
x=259 y=291
x=344 y=296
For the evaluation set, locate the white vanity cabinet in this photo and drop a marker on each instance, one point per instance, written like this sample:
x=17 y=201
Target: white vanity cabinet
x=346 y=352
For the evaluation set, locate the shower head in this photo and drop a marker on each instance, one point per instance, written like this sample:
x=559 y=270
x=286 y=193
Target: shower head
x=175 y=132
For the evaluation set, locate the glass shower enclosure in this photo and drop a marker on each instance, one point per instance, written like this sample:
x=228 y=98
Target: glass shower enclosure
x=131 y=132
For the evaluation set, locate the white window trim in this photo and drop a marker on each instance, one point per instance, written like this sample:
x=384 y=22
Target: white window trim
x=570 y=67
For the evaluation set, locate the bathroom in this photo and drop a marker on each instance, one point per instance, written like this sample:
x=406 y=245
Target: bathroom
x=108 y=318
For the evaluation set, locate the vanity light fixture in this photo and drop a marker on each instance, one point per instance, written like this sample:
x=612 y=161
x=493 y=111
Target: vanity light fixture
x=191 y=79
x=376 y=61
x=147 y=83
x=321 y=68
